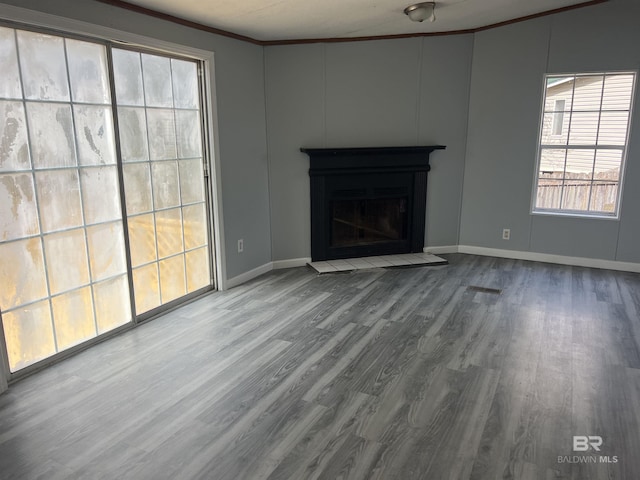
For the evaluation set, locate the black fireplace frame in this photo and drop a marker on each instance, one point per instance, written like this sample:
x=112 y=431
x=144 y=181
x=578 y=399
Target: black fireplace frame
x=367 y=169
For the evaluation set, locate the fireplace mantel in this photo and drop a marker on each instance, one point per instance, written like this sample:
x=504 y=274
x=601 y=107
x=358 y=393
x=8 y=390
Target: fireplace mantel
x=324 y=161
x=341 y=176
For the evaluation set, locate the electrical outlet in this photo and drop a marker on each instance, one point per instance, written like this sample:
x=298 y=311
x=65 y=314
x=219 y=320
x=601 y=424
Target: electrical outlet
x=506 y=233
x=240 y=245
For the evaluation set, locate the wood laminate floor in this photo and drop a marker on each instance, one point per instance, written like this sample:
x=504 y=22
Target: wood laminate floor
x=376 y=374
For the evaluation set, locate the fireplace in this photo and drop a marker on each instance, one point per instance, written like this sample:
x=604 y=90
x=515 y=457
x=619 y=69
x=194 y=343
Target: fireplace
x=367 y=201
x=368 y=221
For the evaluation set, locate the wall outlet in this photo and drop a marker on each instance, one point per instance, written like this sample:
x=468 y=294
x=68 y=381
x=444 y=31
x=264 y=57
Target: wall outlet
x=506 y=233
x=240 y=245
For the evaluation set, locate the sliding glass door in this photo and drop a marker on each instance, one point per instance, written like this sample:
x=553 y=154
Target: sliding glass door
x=68 y=255
x=159 y=117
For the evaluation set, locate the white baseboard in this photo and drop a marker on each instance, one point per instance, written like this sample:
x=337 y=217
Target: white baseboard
x=441 y=249
x=290 y=263
x=468 y=249
x=550 y=258
x=262 y=269
x=250 y=275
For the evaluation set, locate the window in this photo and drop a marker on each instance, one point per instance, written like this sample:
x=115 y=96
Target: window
x=558 y=118
x=72 y=266
x=583 y=143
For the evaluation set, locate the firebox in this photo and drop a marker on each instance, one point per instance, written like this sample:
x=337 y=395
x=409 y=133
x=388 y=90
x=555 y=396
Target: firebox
x=368 y=201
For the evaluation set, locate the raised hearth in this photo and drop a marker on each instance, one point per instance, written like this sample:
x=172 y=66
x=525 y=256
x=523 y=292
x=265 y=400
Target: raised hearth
x=368 y=201
x=386 y=261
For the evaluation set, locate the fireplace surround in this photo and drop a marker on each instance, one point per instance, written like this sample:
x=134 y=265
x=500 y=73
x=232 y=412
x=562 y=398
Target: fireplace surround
x=368 y=201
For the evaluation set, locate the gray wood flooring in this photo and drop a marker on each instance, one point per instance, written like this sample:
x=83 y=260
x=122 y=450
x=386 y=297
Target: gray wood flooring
x=376 y=374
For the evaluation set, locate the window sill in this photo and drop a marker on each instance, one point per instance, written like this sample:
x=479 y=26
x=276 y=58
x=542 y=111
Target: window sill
x=570 y=214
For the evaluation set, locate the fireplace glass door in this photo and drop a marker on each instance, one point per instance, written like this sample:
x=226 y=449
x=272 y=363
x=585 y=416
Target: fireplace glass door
x=363 y=222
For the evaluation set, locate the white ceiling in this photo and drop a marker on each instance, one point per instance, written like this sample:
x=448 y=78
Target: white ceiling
x=270 y=20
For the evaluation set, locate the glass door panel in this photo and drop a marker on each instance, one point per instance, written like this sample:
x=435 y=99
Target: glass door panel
x=64 y=276
x=161 y=142
x=63 y=267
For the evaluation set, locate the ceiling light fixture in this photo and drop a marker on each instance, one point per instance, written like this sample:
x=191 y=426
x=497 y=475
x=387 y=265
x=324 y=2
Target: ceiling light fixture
x=419 y=12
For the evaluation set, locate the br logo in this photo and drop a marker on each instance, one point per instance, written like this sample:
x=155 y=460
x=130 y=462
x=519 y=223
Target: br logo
x=582 y=443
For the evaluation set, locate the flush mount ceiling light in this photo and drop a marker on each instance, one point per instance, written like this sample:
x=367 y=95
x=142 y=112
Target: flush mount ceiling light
x=419 y=12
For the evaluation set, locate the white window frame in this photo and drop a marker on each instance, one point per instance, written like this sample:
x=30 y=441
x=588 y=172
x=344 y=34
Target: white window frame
x=540 y=147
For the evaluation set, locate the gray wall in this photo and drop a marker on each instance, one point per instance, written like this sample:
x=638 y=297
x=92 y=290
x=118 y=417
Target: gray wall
x=504 y=111
x=378 y=93
x=478 y=94
x=241 y=115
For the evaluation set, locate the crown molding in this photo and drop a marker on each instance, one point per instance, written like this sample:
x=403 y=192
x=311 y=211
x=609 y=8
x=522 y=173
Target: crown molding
x=265 y=43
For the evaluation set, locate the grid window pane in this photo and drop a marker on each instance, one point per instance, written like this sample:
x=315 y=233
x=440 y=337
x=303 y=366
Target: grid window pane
x=188 y=131
x=14 y=146
x=559 y=88
x=59 y=199
x=172 y=278
x=29 y=335
x=88 y=72
x=549 y=193
x=137 y=188
x=169 y=232
x=51 y=135
x=552 y=162
x=197 y=263
x=106 y=250
x=128 y=77
x=10 y=85
x=100 y=194
x=112 y=303
x=22 y=273
x=617 y=92
x=67 y=266
x=18 y=210
x=603 y=196
x=142 y=239
x=166 y=189
x=157 y=81
x=43 y=65
x=73 y=318
x=162 y=134
x=587 y=93
x=195 y=226
x=94 y=134
x=608 y=164
x=613 y=128
x=133 y=134
x=579 y=164
x=191 y=181
x=185 y=83
x=575 y=195
x=583 y=128
x=146 y=287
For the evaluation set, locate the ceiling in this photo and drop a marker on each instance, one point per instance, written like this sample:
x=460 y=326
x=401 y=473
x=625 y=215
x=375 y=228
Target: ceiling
x=281 y=20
